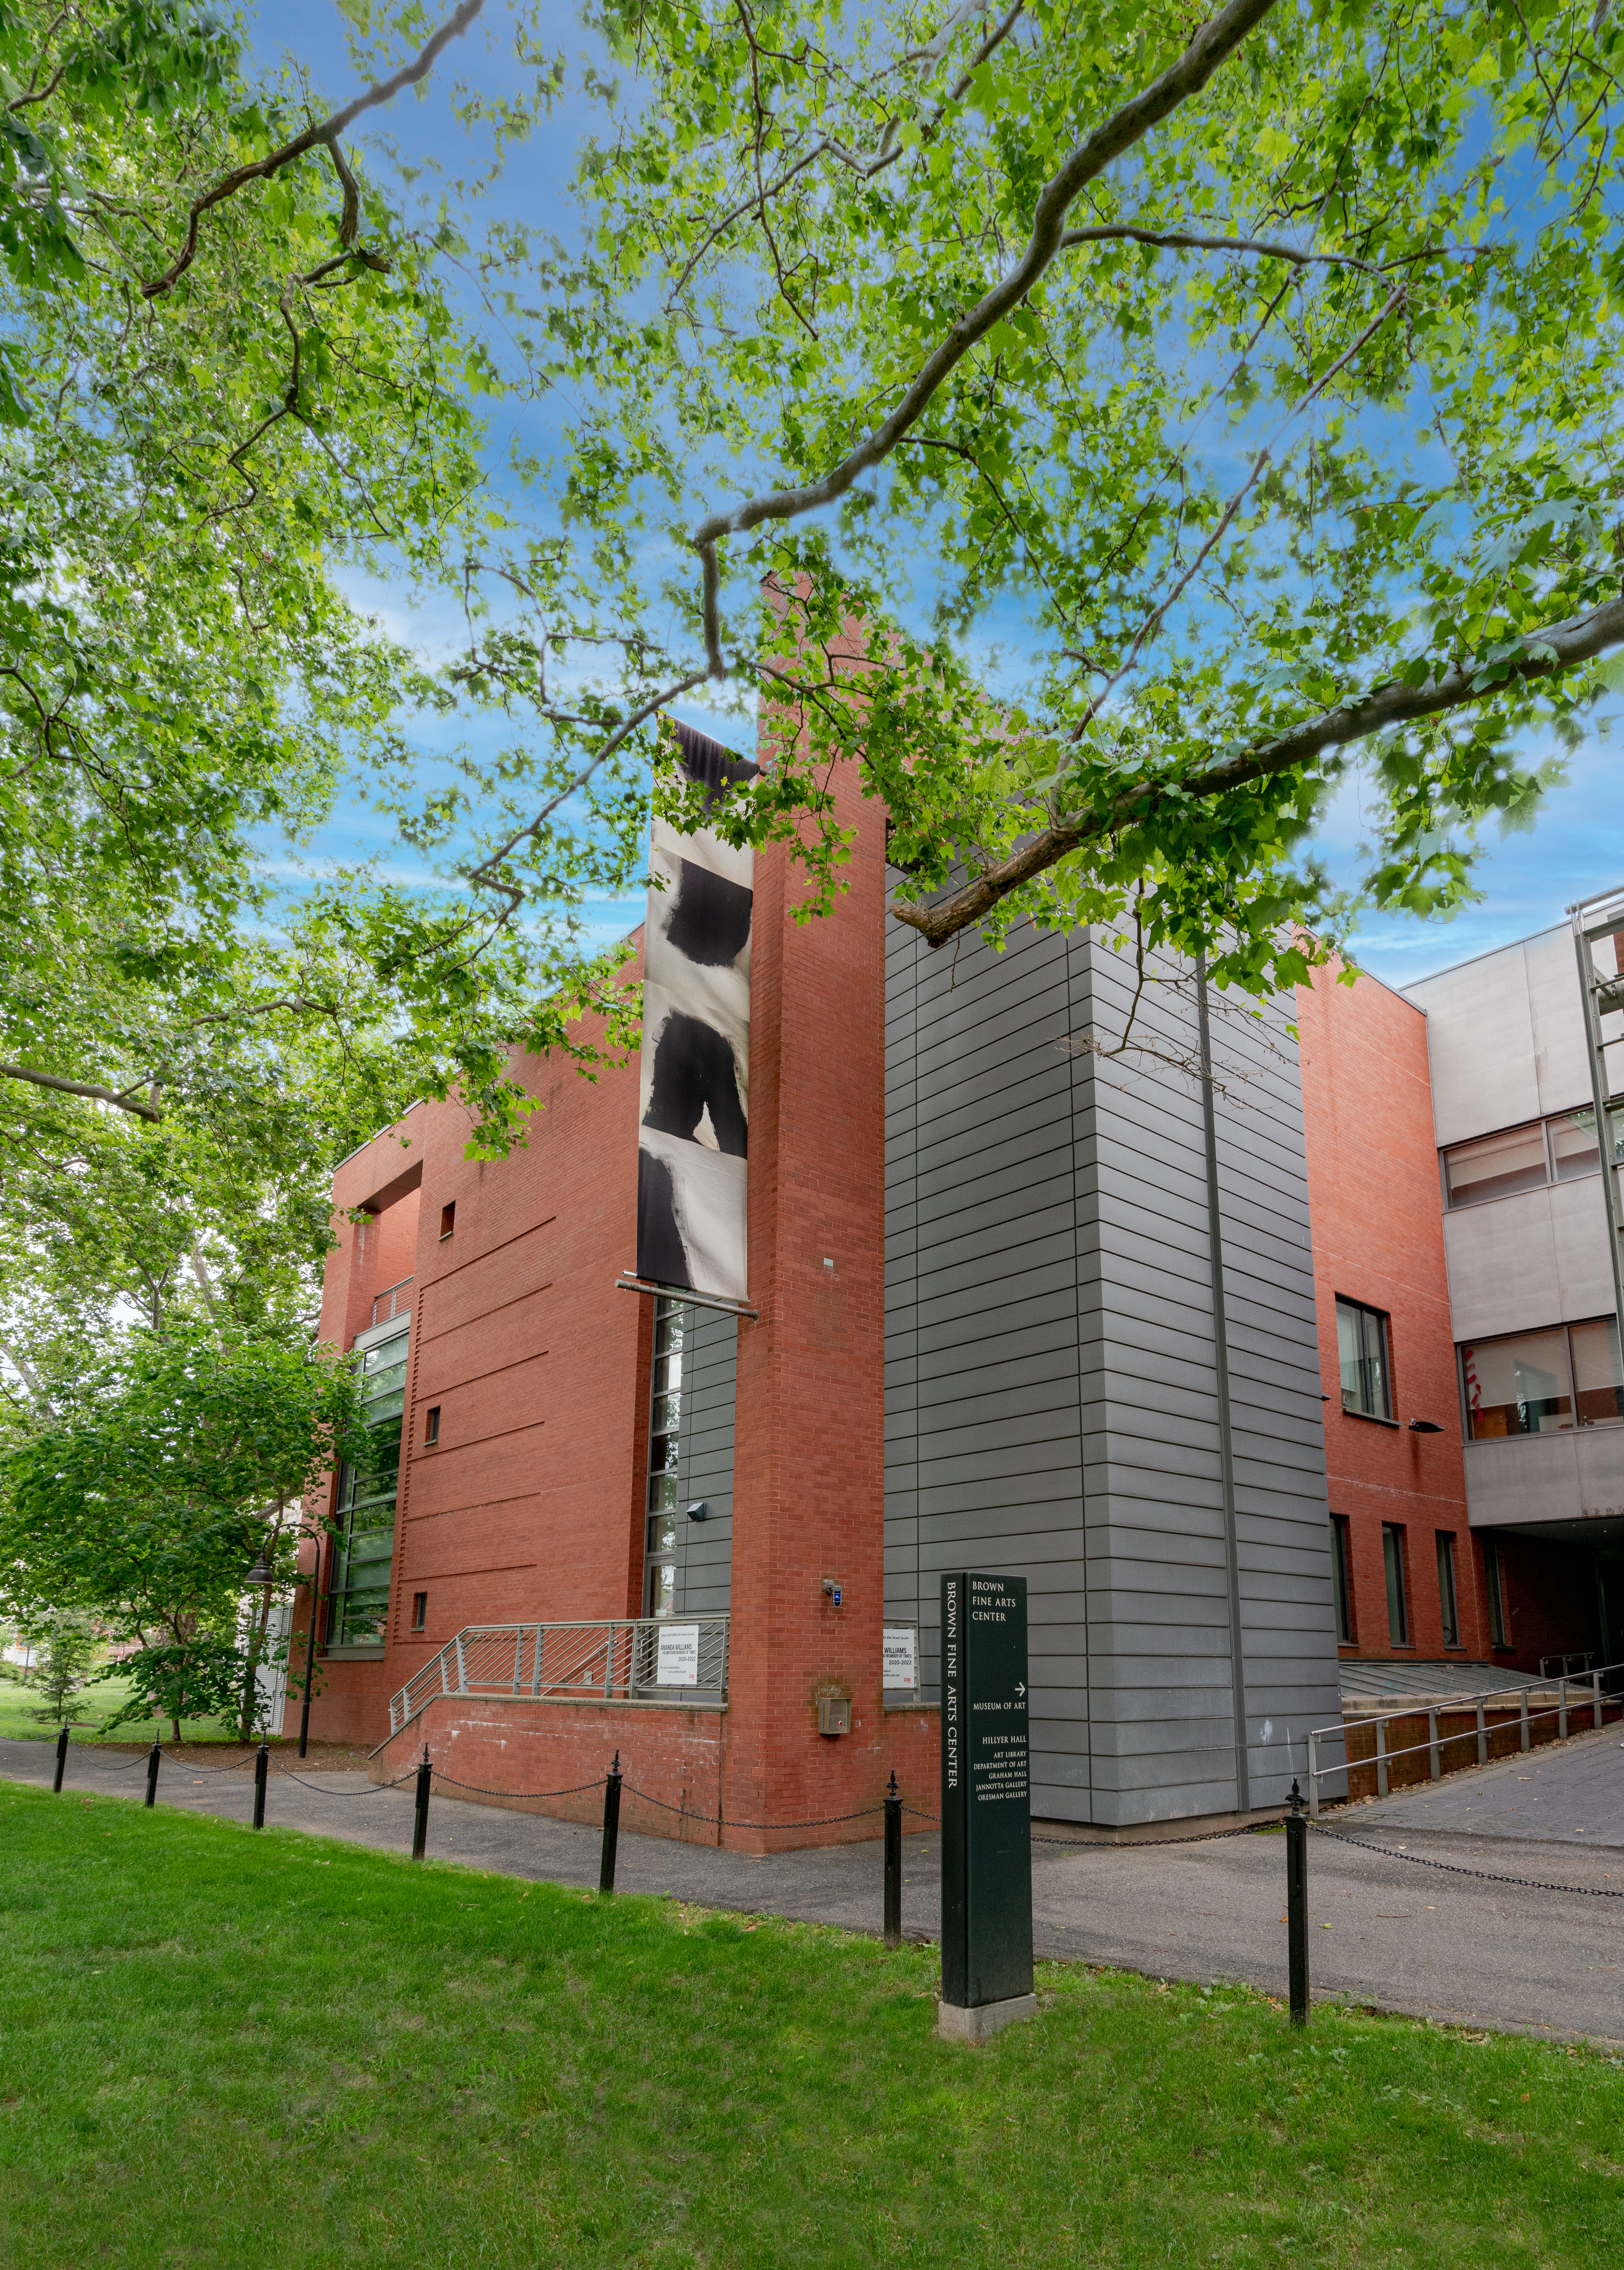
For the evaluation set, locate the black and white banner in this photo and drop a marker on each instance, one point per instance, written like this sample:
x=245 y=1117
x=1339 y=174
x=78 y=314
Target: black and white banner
x=693 y=1142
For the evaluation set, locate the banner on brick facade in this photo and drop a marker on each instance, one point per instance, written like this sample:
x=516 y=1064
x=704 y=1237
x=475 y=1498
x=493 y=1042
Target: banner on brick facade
x=693 y=1140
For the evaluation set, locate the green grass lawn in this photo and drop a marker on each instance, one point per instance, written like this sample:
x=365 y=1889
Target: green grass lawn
x=222 y=2049
x=86 y=1712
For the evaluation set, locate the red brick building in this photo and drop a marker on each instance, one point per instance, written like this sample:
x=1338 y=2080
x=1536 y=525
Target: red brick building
x=1187 y=1363
x=1409 y=1574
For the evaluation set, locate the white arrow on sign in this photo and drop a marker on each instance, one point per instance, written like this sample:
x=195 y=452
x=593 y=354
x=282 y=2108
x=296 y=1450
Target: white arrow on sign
x=1019 y=1688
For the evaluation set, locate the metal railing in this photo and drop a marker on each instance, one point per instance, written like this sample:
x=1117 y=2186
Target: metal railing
x=1563 y=1666
x=390 y=1303
x=1591 y=1697
x=671 y=1659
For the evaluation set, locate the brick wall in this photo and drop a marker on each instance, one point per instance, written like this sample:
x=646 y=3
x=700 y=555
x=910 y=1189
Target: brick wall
x=675 y=1762
x=1377 y=1220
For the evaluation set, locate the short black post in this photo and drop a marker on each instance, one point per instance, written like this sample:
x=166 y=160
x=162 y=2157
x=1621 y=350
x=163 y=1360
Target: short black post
x=419 y=1833
x=62 y=1760
x=153 y=1757
x=894 y=1864
x=261 y=1774
x=1297 y=1905
x=612 y=1825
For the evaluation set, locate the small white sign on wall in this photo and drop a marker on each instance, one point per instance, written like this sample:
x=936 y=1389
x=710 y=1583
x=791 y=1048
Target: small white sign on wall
x=899 y=1659
x=677 y=1662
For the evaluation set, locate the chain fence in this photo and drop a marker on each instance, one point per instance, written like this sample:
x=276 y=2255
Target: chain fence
x=1457 y=1868
x=1296 y=1824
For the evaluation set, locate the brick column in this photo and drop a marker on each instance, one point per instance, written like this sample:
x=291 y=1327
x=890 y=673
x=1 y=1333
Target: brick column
x=809 y=1491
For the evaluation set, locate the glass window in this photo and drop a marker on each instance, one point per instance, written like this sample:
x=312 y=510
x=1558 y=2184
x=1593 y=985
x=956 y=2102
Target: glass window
x=1573 y=1145
x=1495 y=1573
x=360 y=1598
x=1448 y=1614
x=665 y=1404
x=1392 y=1556
x=1495 y=1167
x=1598 y=1381
x=664 y=1457
x=1362 y=1357
x=1342 y=1578
x=1519 y=1385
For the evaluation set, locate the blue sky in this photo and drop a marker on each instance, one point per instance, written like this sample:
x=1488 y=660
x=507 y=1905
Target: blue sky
x=1528 y=880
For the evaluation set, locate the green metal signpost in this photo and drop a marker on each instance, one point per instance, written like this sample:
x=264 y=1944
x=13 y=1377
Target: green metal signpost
x=986 y=1807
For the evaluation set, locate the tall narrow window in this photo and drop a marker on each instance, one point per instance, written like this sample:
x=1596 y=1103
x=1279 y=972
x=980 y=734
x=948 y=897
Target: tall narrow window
x=1398 y=1607
x=660 y=1558
x=367 y=1494
x=1499 y=1624
x=447 y=1219
x=431 y=1427
x=1364 y=1360
x=1448 y=1614
x=1342 y=1578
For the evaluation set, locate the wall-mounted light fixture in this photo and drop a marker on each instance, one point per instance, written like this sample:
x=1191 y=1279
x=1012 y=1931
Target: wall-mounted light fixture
x=1425 y=1427
x=699 y=1510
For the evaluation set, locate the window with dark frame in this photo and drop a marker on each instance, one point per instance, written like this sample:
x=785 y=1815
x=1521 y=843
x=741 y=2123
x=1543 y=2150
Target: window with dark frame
x=1342 y=1579
x=1364 y=1360
x=1449 y=1612
x=1398 y=1605
x=1499 y=1623
x=448 y=1220
x=419 y=1610
x=431 y=1426
x=1543 y=1382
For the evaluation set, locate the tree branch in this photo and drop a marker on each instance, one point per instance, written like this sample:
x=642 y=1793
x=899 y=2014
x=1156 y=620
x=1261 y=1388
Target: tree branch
x=124 y=1103
x=323 y=134
x=1185 y=240
x=1212 y=46
x=486 y=871
x=1542 y=654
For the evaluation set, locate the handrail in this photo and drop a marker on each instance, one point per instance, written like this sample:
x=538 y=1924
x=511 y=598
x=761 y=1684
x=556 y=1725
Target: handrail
x=396 y=1308
x=1476 y=1701
x=617 y=1658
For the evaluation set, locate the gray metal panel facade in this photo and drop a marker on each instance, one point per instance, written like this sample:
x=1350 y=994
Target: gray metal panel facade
x=1051 y=1374
x=705 y=1461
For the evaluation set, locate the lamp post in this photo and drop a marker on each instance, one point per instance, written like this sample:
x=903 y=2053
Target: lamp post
x=316 y=1597
x=260 y=1577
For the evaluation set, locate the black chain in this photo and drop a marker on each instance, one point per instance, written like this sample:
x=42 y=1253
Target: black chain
x=242 y=1766
x=1142 y=1843
x=716 y=1820
x=474 y=1789
x=372 y=1790
x=1454 y=1868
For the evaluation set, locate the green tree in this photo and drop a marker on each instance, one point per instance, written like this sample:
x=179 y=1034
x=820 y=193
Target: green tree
x=1110 y=429
x=1251 y=381
x=178 y=1463
x=68 y=1647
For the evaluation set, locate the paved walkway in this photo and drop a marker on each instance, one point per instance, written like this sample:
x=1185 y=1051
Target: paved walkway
x=1384 y=1931
x=1572 y=1793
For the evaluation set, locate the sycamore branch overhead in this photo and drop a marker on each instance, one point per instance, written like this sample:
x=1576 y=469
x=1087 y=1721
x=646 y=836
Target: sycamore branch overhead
x=1543 y=654
x=122 y=1101
x=1212 y=44
x=325 y=135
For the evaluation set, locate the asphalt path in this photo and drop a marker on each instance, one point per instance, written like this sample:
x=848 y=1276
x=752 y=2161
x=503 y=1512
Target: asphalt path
x=1384 y=1931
